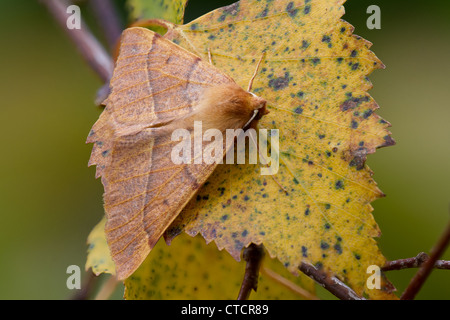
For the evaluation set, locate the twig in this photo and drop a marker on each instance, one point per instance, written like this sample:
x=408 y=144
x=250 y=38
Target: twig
x=414 y=262
x=332 y=284
x=419 y=278
x=86 y=288
x=107 y=289
x=109 y=21
x=87 y=44
x=288 y=284
x=253 y=254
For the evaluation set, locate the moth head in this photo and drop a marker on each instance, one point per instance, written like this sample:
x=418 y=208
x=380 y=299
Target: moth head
x=232 y=105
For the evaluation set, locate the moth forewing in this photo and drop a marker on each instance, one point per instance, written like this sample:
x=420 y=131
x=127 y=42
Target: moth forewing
x=157 y=87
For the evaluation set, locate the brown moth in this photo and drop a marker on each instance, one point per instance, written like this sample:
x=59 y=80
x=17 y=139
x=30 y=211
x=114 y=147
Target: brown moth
x=156 y=88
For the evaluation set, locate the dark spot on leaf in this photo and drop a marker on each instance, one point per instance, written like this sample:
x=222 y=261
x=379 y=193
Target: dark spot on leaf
x=357 y=256
x=211 y=37
x=354 y=124
x=280 y=82
x=194 y=26
x=354 y=53
x=324 y=245
x=263 y=14
x=298 y=110
x=290 y=10
x=327 y=206
x=339 y=185
x=338 y=248
x=321 y=136
x=224 y=217
x=353 y=102
x=305 y=44
x=307 y=9
x=326 y=39
x=388 y=141
x=307 y=212
x=315 y=61
x=367 y=113
x=304 y=252
x=355 y=66
x=238 y=245
x=244 y=233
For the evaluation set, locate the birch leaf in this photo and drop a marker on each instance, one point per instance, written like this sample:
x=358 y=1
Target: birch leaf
x=190 y=269
x=98 y=257
x=314 y=78
x=170 y=10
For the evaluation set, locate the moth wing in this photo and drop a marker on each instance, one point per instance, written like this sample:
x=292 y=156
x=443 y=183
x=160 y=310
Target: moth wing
x=154 y=82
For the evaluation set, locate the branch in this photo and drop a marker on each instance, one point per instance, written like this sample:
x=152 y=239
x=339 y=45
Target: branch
x=89 y=47
x=86 y=288
x=253 y=254
x=288 y=284
x=332 y=284
x=414 y=262
x=109 y=21
x=107 y=289
x=419 y=278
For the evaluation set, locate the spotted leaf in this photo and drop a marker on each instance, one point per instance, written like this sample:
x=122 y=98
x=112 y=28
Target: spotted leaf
x=313 y=74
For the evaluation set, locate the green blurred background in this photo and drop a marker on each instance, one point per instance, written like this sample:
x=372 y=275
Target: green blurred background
x=49 y=199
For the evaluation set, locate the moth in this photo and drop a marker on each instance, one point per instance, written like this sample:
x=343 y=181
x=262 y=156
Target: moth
x=157 y=87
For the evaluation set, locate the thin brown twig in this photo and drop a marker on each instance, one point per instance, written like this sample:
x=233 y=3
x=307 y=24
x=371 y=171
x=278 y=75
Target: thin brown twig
x=288 y=284
x=86 y=288
x=108 y=18
x=414 y=262
x=421 y=276
x=107 y=289
x=253 y=255
x=90 y=48
x=332 y=284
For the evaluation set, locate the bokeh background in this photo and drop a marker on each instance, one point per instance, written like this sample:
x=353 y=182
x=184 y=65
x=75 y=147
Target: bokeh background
x=49 y=199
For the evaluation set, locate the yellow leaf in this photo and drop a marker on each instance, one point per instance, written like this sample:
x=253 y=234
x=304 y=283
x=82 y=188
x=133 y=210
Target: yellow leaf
x=314 y=77
x=170 y=10
x=190 y=269
x=98 y=257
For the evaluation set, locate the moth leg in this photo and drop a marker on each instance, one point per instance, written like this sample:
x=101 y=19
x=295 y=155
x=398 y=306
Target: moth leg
x=256 y=71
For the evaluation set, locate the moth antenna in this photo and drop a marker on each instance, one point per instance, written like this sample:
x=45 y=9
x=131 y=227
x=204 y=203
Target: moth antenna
x=267 y=165
x=256 y=71
x=255 y=113
x=210 y=56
